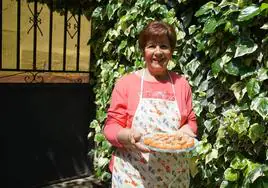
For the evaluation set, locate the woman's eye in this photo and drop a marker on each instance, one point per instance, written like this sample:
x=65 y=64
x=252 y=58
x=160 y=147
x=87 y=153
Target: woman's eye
x=164 y=46
x=150 y=46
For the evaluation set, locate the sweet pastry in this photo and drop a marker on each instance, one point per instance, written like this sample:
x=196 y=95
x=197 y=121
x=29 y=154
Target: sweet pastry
x=169 y=141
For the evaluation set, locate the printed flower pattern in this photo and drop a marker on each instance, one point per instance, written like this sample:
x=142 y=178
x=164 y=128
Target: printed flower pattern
x=155 y=169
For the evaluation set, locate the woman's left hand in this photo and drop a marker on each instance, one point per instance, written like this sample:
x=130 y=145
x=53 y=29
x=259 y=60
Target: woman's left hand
x=186 y=129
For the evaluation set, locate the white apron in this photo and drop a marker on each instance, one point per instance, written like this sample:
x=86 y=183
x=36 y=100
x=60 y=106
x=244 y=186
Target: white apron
x=146 y=170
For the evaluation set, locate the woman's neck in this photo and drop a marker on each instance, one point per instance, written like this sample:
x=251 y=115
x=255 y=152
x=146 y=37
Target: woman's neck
x=159 y=78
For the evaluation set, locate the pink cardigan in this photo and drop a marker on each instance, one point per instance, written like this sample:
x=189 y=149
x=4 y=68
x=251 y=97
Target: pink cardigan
x=125 y=99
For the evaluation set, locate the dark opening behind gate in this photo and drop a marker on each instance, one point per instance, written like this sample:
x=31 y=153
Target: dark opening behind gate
x=46 y=100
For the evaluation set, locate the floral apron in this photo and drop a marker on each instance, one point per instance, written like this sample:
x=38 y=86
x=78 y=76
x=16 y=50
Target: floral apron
x=146 y=170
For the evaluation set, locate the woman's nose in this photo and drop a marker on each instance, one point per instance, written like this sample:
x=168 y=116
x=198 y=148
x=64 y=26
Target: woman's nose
x=158 y=51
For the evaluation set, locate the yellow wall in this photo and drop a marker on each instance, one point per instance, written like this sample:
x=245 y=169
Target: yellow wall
x=9 y=33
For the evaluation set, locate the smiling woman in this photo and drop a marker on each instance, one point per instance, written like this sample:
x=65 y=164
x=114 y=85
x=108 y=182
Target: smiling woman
x=136 y=111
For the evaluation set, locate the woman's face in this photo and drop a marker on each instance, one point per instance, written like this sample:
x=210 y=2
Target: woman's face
x=157 y=53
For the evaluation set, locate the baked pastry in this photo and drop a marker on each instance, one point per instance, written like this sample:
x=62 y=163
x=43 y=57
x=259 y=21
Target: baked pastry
x=169 y=141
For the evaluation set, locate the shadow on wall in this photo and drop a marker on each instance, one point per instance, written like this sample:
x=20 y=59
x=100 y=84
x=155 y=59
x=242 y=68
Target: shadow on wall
x=44 y=131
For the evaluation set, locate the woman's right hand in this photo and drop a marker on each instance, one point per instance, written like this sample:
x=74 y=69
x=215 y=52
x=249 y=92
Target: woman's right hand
x=130 y=139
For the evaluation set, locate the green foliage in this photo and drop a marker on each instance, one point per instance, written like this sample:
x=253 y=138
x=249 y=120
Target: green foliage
x=230 y=44
x=222 y=50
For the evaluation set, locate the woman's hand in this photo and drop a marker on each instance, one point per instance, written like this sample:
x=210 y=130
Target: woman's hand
x=130 y=140
x=186 y=129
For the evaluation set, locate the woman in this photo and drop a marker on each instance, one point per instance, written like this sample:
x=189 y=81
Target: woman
x=150 y=100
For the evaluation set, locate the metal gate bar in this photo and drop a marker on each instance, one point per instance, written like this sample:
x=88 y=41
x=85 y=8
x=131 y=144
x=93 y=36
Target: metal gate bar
x=1 y=34
x=50 y=35
x=78 y=37
x=65 y=37
x=18 y=35
x=35 y=17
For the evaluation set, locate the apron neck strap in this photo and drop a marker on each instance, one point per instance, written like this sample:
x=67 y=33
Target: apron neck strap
x=142 y=84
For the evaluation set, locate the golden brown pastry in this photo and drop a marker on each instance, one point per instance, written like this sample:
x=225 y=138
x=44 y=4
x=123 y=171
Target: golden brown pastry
x=169 y=141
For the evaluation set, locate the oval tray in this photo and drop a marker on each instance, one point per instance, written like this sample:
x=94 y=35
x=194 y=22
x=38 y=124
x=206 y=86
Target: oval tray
x=168 y=150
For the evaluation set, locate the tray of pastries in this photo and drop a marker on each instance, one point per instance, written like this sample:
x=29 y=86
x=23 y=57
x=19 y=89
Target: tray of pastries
x=169 y=142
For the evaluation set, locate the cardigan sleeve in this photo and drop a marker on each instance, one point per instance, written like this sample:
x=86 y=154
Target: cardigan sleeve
x=116 y=115
x=191 y=115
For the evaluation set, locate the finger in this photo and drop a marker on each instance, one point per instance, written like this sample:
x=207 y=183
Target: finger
x=131 y=138
x=137 y=136
x=142 y=148
x=179 y=133
x=191 y=134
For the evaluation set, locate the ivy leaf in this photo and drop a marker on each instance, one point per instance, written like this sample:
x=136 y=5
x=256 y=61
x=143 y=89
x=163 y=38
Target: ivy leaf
x=239 y=90
x=264 y=6
x=94 y=124
x=216 y=67
x=193 y=65
x=256 y=132
x=211 y=155
x=192 y=29
x=231 y=175
x=102 y=161
x=110 y=9
x=203 y=86
x=205 y=9
x=122 y=45
x=255 y=173
x=154 y=7
x=245 y=46
x=219 y=63
x=253 y=87
x=197 y=107
x=105 y=145
x=262 y=74
x=232 y=68
x=239 y=162
x=248 y=13
x=260 y=105
x=211 y=107
x=265 y=39
x=210 y=124
x=211 y=25
x=99 y=137
x=221 y=132
x=107 y=47
x=203 y=148
x=97 y=13
x=265 y=26
x=106 y=176
x=240 y=125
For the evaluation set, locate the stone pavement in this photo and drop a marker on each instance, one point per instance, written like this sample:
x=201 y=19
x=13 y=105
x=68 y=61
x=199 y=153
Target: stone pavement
x=86 y=182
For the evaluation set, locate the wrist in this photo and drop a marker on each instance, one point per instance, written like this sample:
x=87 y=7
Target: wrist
x=123 y=136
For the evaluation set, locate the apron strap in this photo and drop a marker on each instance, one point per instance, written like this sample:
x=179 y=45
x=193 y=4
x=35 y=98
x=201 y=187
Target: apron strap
x=171 y=80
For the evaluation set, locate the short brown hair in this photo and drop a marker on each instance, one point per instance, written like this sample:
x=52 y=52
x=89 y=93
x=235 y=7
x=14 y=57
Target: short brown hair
x=156 y=29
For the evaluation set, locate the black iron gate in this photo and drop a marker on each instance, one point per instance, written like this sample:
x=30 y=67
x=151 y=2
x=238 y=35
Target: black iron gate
x=46 y=110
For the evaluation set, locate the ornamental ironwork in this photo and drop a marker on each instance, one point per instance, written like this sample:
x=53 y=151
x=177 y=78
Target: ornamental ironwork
x=34 y=20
